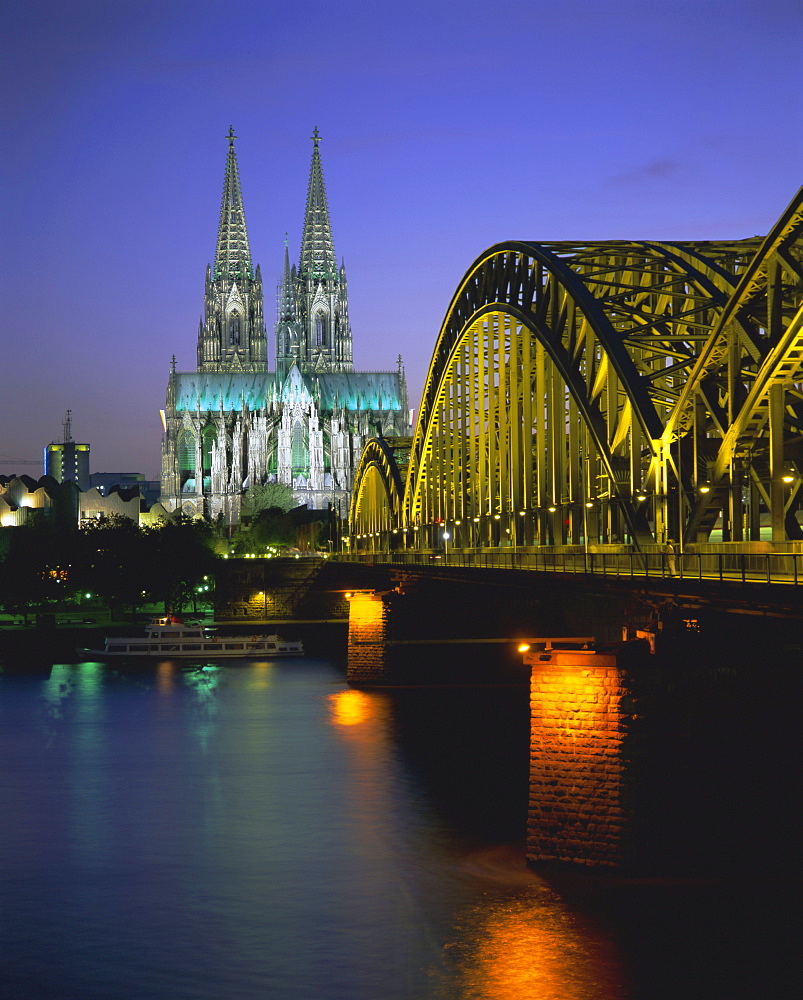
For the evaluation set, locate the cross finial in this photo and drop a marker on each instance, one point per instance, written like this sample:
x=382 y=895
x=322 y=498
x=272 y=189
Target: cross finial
x=173 y=365
x=231 y=135
x=316 y=138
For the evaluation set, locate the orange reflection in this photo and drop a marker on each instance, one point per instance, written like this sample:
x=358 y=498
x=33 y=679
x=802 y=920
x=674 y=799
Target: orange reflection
x=165 y=676
x=260 y=676
x=529 y=949
x=350 y=708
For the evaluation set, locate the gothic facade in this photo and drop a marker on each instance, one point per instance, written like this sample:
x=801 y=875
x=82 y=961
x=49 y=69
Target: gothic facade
x=232 y=422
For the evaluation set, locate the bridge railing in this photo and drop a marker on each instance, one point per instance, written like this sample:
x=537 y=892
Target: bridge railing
x=740 y=567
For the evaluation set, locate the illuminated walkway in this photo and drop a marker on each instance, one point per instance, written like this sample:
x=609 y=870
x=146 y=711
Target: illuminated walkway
x=754 y=568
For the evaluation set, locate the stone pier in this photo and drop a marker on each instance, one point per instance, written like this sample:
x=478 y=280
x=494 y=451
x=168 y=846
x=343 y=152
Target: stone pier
x=581 y=721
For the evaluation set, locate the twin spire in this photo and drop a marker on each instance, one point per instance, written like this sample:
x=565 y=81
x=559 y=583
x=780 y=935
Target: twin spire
x=317 y=247
x=233 y=254
x=312 y=329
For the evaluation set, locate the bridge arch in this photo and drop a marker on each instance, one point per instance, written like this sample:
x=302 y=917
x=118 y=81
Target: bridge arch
x=376 y=500
x=550 y=385
x=605 y=393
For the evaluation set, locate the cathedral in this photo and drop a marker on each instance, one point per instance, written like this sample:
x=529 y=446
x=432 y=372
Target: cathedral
x=233 y=423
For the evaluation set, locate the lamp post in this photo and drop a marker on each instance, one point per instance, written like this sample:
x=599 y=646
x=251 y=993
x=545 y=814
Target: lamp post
x=446 y=546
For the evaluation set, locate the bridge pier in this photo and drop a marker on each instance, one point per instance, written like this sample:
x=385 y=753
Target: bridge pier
x=419 y=633
x=368 y=659
x=581 y=719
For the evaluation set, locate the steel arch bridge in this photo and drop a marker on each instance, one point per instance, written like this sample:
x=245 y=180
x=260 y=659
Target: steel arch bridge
x=616 y=393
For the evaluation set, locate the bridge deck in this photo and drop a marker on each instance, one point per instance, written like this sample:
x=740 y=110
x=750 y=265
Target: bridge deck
x=771 y=568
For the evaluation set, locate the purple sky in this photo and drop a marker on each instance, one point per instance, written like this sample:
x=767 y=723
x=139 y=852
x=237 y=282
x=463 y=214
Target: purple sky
x=447 y=127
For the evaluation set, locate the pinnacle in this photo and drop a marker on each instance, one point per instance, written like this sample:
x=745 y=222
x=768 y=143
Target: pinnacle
x=233 y=253
x=317 y=248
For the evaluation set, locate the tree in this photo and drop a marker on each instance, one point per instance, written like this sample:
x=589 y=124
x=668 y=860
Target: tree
x=182 y=553
x=272 y=526
x=39 y=568
x=114 y=563
x=269 y=496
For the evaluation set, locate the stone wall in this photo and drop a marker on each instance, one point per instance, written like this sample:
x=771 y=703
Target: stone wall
x=581 y=714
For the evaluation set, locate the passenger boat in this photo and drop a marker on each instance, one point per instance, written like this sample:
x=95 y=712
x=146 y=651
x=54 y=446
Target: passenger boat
x=170 y=638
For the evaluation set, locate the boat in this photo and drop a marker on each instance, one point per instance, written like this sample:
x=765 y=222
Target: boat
x=170 y=638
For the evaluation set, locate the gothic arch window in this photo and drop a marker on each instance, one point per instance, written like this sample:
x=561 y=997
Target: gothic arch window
x=208 y=439
x=320 y=329
x=234 y=328
x=298 y=444
x=186 y=460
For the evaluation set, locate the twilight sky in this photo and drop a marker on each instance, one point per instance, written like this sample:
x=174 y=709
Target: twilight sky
x=448 y=125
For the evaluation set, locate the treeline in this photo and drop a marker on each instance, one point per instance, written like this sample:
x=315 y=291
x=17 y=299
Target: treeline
x=115 y=560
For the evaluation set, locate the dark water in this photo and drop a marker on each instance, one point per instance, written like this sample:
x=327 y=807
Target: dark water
x=259 y=830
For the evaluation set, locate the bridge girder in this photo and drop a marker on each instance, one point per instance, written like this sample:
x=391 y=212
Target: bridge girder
x=569 y=380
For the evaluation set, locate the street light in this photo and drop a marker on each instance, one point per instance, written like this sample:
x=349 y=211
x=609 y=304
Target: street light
x=445 y=546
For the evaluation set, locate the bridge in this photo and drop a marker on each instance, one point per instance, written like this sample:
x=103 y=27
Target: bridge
x=586 y=403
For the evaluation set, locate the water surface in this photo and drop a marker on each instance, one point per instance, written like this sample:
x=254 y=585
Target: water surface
x=260 y=830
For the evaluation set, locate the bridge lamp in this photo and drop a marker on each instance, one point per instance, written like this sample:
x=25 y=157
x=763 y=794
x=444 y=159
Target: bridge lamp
x=705 y=488
x=523 y=647
x=589 y=503
x=522 y=513
x=552 y=508
x=476 y=519
x=446 y=536
x=641 y=495
x=497 y=516
x=788 y=476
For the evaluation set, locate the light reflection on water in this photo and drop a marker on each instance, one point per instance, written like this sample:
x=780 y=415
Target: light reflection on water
x=258 y=830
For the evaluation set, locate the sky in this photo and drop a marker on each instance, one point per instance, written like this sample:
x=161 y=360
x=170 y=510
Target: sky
x=447 y=127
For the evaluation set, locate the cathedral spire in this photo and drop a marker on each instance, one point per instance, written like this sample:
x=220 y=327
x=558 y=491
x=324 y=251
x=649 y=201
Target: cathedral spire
x=233 y=254
x=317 y=249
x=232 y=332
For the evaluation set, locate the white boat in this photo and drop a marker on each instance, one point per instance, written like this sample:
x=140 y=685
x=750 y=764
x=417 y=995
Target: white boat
x=170 y=638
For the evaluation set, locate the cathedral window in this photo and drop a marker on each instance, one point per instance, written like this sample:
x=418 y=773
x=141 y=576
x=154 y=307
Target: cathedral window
x=299 y=451
x=234 y=328
x=320 y=329
x=207 y=451
x=186 y=459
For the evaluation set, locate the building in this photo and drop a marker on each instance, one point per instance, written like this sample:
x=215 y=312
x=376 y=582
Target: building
x=66 y=506
x=68 y=459
x=105 y=482
x=233 y=423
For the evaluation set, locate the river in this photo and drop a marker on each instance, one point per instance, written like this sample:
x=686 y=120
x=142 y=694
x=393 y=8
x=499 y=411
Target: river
x=260 y=830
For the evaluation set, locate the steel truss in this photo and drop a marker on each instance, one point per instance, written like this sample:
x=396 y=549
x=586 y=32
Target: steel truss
x=609 y=393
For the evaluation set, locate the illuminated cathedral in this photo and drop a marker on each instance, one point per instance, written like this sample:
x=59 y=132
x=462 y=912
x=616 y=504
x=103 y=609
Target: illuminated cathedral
x=233 y=422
